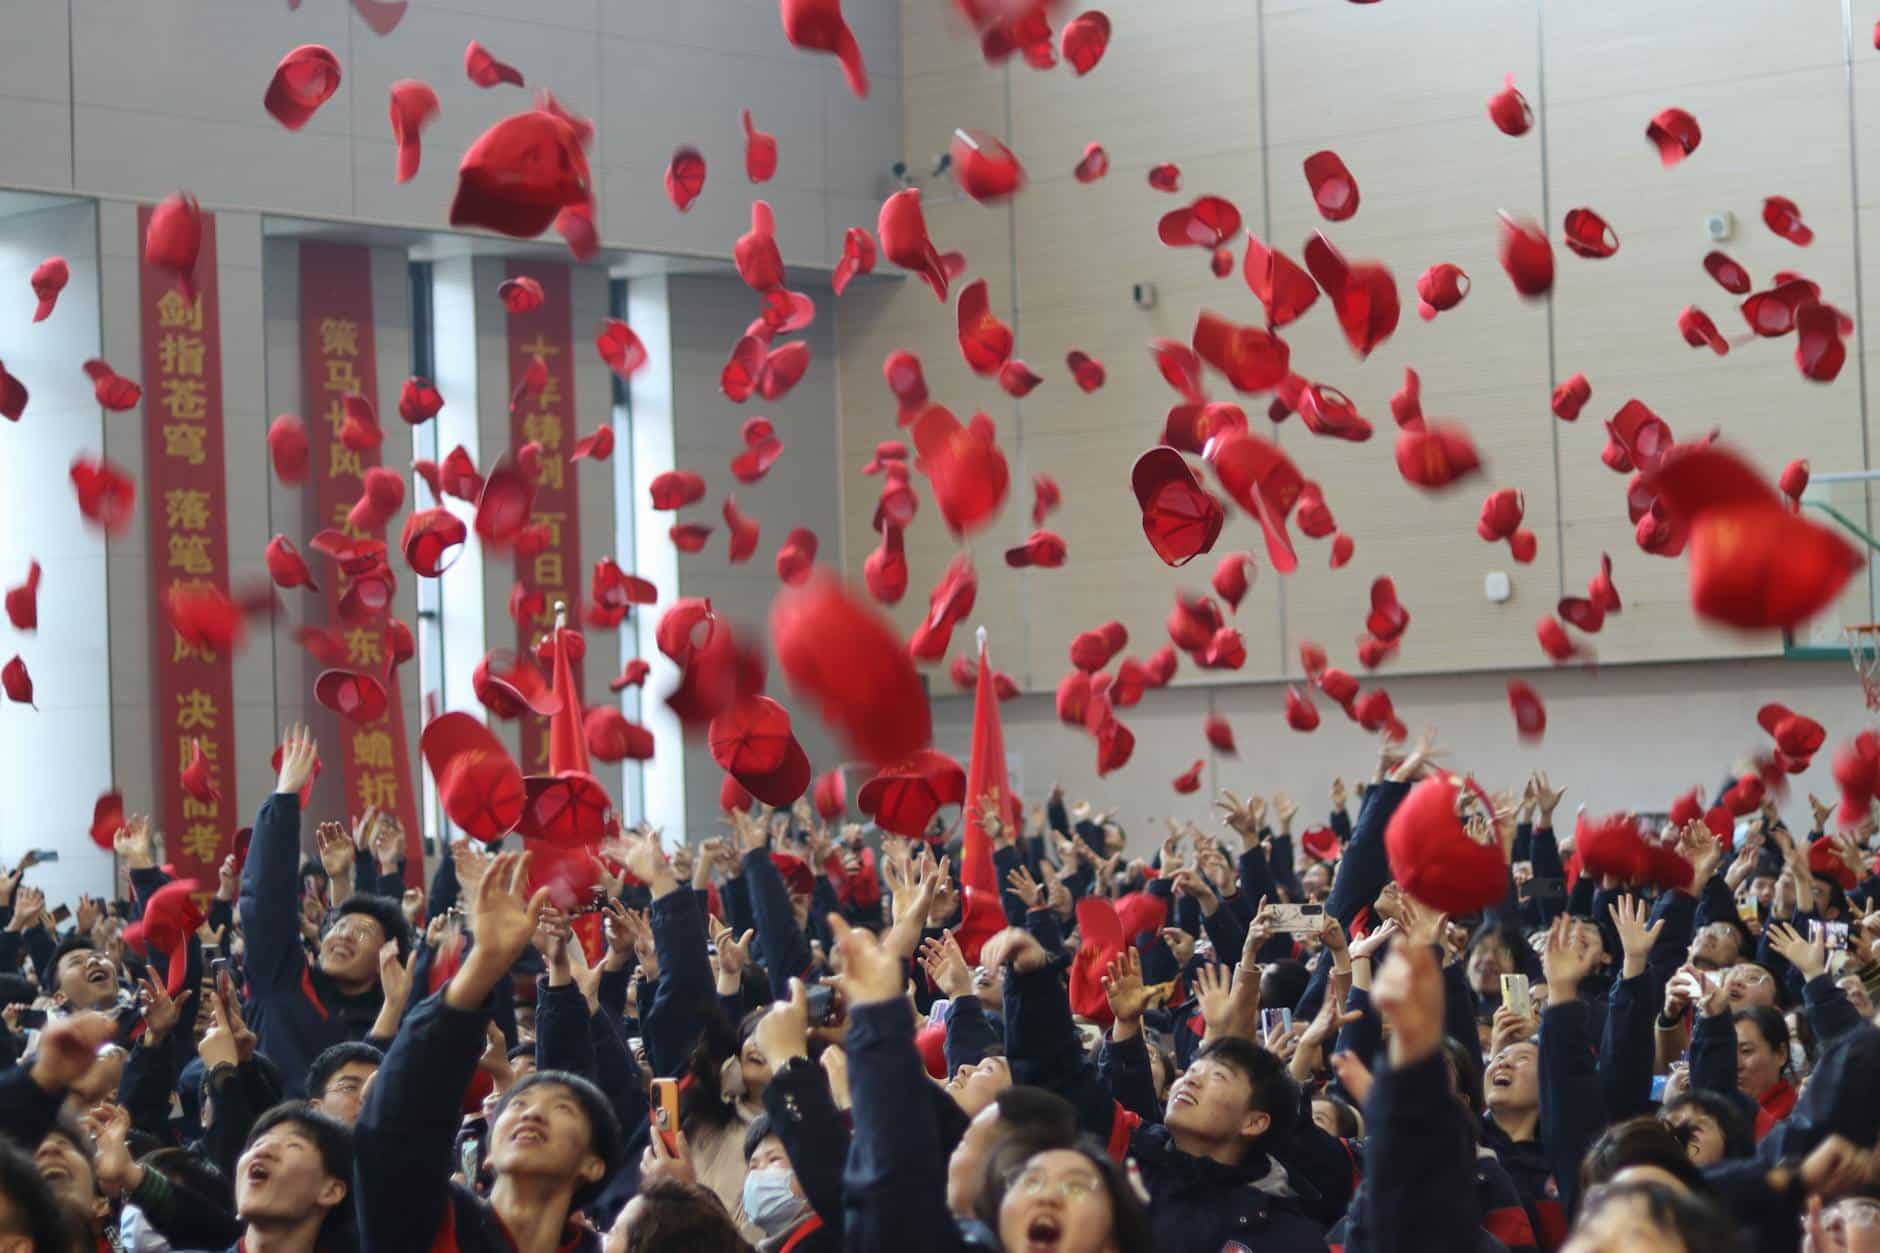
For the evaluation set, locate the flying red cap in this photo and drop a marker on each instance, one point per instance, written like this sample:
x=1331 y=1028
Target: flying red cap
x=305 y=79
x=1334 y=189
x=48 y=280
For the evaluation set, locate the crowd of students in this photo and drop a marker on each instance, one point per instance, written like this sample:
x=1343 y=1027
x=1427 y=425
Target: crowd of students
x=797 y=1039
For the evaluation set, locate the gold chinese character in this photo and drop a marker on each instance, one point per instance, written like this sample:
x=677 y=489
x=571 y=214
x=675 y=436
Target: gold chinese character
x=186 y=399
x=186 y=509
x=180 y=354
x=185 y=442
x=554 y=471
x=174 y=312
x=365 y=646
x=183 y=651
x=554 y=519
x=372 y=748
x=343 y=462
x=190 y=554
x=341 y=376
x=196 y=711
x=193 y=808
x=379 y=787
x=203 y=841
x=544 y=428
x=551 y=393
x=546 y=571
x=339 y=337
x=541 y=348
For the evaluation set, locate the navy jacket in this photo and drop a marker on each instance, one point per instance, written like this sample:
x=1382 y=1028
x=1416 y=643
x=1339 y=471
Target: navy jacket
x=894 y=1185
x=296 y=1010
x=1419 y=1163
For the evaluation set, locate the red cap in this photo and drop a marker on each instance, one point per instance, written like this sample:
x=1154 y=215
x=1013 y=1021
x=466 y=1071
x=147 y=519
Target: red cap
x=902 y=229
x=1073 y=698
x=305 y=79
x=965 y=466
x=797 y=556
x=1253 y=360
x=741 y=532
x=1439 y=288
x=1343 y=546
x=1363 y=294
x=1083 y=41
x=382 y=496
x=1730 y=276
x=1530 y=715
x=22 y=602
x=351 y=694
x=521 y=294
x=1819 y=348
x=904 y=796
x=1189 y=780
x=1207 y=223
x=675 y=489
x=413 y=107
x=985 y=341
x=1508 y=110
x=1825 y=861
x=1436 y=456
x=1232 y=576
x=1042 y=549
x=288 y=449
x=885 y=569
x=1432 y=856
x=1093 y=165
x=1795 y=734
x=984 y=168
x=286 y=566
x=1086 y=371
x=1570 y=396
x=610 y=737
x=1615 y=847
x=195 y=778
x=1587 y=234
x=1676 y=135
x=419 y=400
x=1115 y=743
x=170 y=916
x=504 y=504
x=1219 y=734
x=1193 y=622
x=1334 y=189
x=846 y=657
x=619 y=347
x=685 y=176
x=858 y=257
x=520 y=173
x=633 y=674
x=1794 y=480
x=205 y=617
x=48 y=280
x=485 y=70
x=830 y=795
x=817 y=26
x=752 y=737
x=1699 y=331
x=107 y=818
x=17 y=681
x=1166 y=177
x=1314 y=515
x=173 y=239
x=478 y=783
x=506 y=684
x=1784 y=217
x=1180 y=517
x=1502 y=511
x=1286 y=290
x=458 y=476
x=1526 y=256
x=432 y=540
x=113 y=391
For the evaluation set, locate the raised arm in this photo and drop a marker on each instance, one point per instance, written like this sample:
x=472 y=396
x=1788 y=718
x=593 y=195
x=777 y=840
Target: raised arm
x=270 y=892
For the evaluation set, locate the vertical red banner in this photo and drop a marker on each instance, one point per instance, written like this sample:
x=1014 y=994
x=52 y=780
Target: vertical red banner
x=547 y=418
x=339 y=356
x=187 y=498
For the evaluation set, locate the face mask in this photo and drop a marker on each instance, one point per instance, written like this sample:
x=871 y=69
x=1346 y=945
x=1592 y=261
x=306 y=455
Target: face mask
x=769 y=1203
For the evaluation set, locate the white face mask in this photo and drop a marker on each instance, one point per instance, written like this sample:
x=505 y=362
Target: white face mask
x=769 y=1202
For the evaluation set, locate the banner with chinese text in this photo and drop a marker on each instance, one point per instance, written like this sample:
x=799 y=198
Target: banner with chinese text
x=187 y=499
x=339 y=355
x=547 y=418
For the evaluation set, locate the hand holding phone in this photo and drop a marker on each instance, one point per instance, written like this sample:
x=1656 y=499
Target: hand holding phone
x=665 y=1113
x=1517 y=995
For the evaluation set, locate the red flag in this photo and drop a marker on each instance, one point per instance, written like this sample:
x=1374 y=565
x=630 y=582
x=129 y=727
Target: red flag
x=985 y=775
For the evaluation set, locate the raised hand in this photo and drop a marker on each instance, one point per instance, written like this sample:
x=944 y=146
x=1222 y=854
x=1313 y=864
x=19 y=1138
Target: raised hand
x=1056 y=894
x=1015 y=948
x=783 y=1031
x=1567 y=959
x=110 y=1127
x=992 y=822
x=1546 y=800
x=1190 y=883
x=388 y=843
x=1338 y=795
x=1408 y=994
x=1629 y=914
x=161 y=1012
x=1808 y=956
x=336 y=851
x=1509 y=1027
x=1283 y=811
x=1699 y=845
x=734 y=951
x=503 y=916
x=1214 y=993
x=945 y=965
x=1241 y=817
x=298 y=753
x=227 y=880
x=68 y=1048
x=1353 y=1076
x=1366 y=947
x=131 y=842
x=1025 y=887
x=28 y=907
x=470 y=862
x=645 y=860
x=1422 y=924
x=871 y=975
x=1123 y=988
x=1180 y=943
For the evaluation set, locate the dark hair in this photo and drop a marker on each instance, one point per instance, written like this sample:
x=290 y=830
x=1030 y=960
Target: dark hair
x=1038 y=1114
x=684 y=1218
x=1465 y=1066
x=1694 y=1218
x=1282 y=983
x=34 y=1206
x=67 y=1127
x=1274 y=1092
x=74 y=943
x=330 y=1136
x=1739 y=1135
x=382 y=910
x=1771 y=1026
x=759 y=1131
x=521 y=1051
x=1345 y=1116
x=1129 y=1220
x=1641 y=1141
x=331 y=1060
x=604 y=1136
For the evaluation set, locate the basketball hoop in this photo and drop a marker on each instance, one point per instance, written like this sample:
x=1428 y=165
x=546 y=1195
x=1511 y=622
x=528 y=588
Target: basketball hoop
x=1863 y=646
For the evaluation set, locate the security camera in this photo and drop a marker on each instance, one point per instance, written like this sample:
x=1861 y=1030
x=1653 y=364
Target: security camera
x=942 y=162
x=1143 y=295
x=1719 y=226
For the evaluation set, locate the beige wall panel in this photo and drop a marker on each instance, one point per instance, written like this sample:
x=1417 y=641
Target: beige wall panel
x=934 y=37
x=939 y=101
x=1607 y=48
x=1179 y=82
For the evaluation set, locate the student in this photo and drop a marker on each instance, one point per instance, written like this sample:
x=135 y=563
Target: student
x=300 y=1008
x=336 y=1082
x=30 y=1217
x=554 y=1139
x=293 y=1181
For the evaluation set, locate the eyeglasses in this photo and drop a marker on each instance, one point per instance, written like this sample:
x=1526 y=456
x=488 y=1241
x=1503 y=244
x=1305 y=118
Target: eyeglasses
x=1851 y=1213
x=1035 y=1181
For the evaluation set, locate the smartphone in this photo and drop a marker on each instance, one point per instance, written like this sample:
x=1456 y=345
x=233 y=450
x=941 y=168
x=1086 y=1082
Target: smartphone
x=468 y=1161
x=1516 y=995
x=1275 y=1021
x=219 y=965
x=1746 y=909
x=1836 y=933
x=666 y=1112
x=62 y=914
x=824 y=1009
x=1658 y=1083
x=32 y=1019
x=41 y=856
x=1297 y=919
x=1542 y=890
